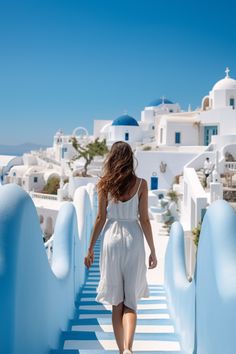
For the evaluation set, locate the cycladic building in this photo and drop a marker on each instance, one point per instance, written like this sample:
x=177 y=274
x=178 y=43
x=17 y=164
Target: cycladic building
x=128 y=129
x=216 y=117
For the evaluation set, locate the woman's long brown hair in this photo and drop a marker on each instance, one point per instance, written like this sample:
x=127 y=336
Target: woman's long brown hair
x=118 y=175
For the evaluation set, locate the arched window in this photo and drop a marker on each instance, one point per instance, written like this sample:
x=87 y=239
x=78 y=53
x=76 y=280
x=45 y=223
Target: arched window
x=206 y=103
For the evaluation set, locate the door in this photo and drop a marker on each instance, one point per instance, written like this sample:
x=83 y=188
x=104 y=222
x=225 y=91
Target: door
x=208 y=132
x=126 y=136
x=154 y=183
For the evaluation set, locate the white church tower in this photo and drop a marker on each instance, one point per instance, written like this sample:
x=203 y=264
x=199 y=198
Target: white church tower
x=223 y=94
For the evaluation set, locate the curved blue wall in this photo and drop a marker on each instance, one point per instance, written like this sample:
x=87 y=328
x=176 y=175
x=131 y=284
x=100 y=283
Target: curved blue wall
x=36 y=299
x=180 y=292
x=216 y=281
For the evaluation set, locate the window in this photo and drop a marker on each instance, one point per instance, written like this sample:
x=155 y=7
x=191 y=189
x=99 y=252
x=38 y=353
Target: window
x=153 y=127
x=177 y=137
x=14 y=174
x=63 y=150
x=35 y=179
x=171 y=110
x=126 y=136
x=231 y=102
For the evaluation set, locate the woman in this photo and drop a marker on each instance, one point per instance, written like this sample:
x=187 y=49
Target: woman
x=123 y=209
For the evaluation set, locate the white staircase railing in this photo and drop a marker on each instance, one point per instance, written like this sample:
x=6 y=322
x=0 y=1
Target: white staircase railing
x=43 y=196
x=230 y=166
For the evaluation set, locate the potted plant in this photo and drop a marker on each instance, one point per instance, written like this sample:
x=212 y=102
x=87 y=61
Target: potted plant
x=196 y=233
x=173 y=195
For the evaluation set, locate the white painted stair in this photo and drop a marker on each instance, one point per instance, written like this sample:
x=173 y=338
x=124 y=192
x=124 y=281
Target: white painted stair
x=91 y=329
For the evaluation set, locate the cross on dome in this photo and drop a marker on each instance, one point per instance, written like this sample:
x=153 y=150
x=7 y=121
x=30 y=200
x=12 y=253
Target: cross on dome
x=227 y=70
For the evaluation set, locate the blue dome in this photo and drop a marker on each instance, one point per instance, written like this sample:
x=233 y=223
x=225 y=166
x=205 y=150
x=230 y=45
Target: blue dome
x=125 y=120
x=159 y=101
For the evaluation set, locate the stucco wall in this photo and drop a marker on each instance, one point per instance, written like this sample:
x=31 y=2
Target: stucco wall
x=149 y=163
x=189 y=134
x=225 y=117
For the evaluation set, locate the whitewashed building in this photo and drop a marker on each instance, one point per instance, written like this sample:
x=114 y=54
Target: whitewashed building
x=127 y=128
x=217 y=116
x=167 y=143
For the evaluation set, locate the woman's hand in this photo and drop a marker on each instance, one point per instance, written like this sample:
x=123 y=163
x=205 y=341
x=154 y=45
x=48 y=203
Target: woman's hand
x=152 y=261
x=88 y=260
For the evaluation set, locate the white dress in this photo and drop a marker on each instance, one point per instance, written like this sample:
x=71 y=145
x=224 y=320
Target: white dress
x=122 y=257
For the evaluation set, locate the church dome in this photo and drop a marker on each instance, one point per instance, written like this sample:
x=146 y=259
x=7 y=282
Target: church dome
x=125 y=120
x=159 y=101
x=225 y=84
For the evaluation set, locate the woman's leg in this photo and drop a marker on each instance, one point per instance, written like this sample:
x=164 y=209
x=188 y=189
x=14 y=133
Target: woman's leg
x=117 y=314
x=129 y=324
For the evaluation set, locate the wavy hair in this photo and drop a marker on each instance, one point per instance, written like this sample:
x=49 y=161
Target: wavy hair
x=118 y=175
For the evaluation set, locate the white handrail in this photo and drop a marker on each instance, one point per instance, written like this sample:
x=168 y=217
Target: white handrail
x=43 y=196
x=230 y=165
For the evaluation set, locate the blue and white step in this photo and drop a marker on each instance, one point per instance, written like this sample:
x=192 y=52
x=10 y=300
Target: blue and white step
x=91 y=330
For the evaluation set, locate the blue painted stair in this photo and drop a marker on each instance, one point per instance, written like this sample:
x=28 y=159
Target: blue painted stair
x=91 y=329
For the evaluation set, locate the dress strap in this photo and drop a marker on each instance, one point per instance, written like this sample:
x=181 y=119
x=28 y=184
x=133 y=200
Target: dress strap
x=139 y=185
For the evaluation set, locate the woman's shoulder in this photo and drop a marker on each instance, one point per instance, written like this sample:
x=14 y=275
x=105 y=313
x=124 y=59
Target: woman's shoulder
x=142 y=180
x=142 y=183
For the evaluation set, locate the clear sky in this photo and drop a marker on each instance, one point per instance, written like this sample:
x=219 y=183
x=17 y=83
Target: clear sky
x=64 y=63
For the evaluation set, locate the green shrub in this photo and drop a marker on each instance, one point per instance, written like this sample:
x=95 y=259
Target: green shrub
x=147 y=148
x=229 y=157
x=196 y=233
x=88 y=152
x=173 y=195
x=52 y=186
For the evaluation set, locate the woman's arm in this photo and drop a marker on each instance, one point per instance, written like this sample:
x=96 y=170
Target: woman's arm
x=145 y=223
x=98 y=225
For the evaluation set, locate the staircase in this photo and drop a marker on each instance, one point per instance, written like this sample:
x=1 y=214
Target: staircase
x=201 y=176
x=91 y=329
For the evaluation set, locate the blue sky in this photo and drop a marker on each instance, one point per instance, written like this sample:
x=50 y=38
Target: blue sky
x=64 y=63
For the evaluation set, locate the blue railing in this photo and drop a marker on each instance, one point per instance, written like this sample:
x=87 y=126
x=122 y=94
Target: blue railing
x=216 y=282
x=36 y=299
x=205 y=313
x=180 y=292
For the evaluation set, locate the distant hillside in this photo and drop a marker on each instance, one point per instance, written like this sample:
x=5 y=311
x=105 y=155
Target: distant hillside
x=19 y=149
